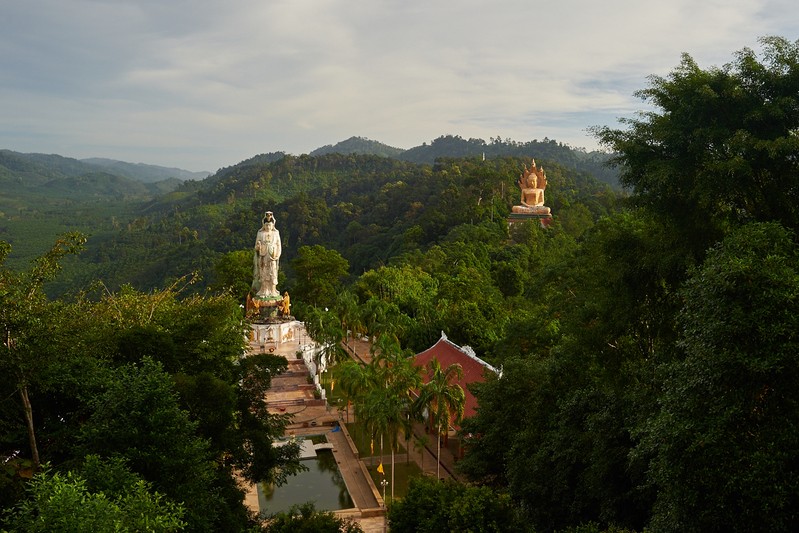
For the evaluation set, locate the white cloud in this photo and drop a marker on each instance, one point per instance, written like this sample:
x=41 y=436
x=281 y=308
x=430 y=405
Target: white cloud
x=207 y=83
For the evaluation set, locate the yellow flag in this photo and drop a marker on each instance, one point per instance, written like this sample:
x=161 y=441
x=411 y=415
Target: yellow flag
x=332 y=385
x=372 y=446
x=380 y=469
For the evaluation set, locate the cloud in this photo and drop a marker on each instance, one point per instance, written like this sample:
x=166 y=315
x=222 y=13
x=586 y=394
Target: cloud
x=207 y=83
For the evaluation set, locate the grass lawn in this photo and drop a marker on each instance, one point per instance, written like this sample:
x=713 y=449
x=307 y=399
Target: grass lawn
x=363 y=442
x=403 y=472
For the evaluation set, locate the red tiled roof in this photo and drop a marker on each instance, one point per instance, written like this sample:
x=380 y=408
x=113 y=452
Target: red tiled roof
x=446 y=352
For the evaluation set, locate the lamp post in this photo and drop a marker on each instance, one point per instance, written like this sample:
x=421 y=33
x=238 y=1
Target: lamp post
x=385 y=516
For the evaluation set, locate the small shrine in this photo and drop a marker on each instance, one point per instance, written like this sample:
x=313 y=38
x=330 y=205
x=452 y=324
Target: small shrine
x=532 y=183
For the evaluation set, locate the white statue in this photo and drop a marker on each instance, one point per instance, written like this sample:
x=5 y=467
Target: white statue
x=266 y=259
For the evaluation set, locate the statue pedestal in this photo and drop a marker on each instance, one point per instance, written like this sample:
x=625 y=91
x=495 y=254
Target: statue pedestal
x=268 y=301
x=544 y=219
x=273 y=333
x=263 y=308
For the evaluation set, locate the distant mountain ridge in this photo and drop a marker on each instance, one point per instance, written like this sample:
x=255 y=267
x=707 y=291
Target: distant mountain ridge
x=359 y=146
x=56 y=175
x=144 y=172
x=37 y=169
x=448 y=146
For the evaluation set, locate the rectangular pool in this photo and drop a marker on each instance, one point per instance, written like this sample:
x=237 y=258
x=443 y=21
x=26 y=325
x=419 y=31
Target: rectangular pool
x=322 y=484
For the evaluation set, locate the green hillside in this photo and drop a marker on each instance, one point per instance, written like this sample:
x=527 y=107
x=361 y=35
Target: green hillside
x=365 y=199
x=371 y=209
x=44 y=195
x=143 y=172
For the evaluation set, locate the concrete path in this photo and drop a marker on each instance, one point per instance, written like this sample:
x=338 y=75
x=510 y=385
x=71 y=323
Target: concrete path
x=359 y=484
x=291 y=393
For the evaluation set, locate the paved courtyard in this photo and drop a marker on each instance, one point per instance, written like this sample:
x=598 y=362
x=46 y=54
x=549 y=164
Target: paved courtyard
x=291 y=393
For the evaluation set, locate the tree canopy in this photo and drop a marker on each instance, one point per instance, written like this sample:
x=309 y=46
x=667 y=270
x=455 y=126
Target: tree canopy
x=719 y=147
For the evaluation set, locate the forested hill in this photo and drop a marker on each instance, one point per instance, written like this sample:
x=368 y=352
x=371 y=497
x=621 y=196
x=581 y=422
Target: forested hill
x=45 y=195
x=143 y=172
x=55 y=176
x=369 y=208
x=360 y=146
x=594 y=163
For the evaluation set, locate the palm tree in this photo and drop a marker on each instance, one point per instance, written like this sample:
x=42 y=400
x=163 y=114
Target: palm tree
x=443 y=400
x=353 y=382
x=382 y=413
x=324 y=327
x=386 y=405
x=403 y=379
x=350 y=314
x=383 y=318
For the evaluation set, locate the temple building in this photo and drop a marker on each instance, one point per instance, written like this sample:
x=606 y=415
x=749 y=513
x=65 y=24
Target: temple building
x=474 y=368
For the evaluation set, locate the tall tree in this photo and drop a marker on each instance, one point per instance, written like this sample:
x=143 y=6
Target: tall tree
x=720 y=147
x=233 y=272
x=325 y=328
x=383 y=319
x=400 y=379
x=382 y=392
x=138 y=418
x=728 y=426
x=319 y=272
x=348 y=310
x=25 y=323
x=444 y=401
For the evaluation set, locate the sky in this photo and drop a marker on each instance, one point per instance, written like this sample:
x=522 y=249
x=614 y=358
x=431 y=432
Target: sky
x=205 y=84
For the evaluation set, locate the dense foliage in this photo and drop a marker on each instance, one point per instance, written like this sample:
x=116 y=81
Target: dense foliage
x=431 y=506
x=152 y=384
x=306 y=519
x=721 y=150
x=368 y=208
x=111 y=500
x=654 y=388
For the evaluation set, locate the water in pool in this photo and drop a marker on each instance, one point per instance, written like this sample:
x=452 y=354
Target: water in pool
x=322 y=483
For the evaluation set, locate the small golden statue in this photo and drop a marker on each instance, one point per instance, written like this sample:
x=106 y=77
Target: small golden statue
x=285 y=308
x=253 y=306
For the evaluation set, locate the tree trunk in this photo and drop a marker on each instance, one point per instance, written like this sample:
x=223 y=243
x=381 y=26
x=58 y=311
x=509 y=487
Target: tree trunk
x=23 y=393
x=392 y=473
x=438 y=452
